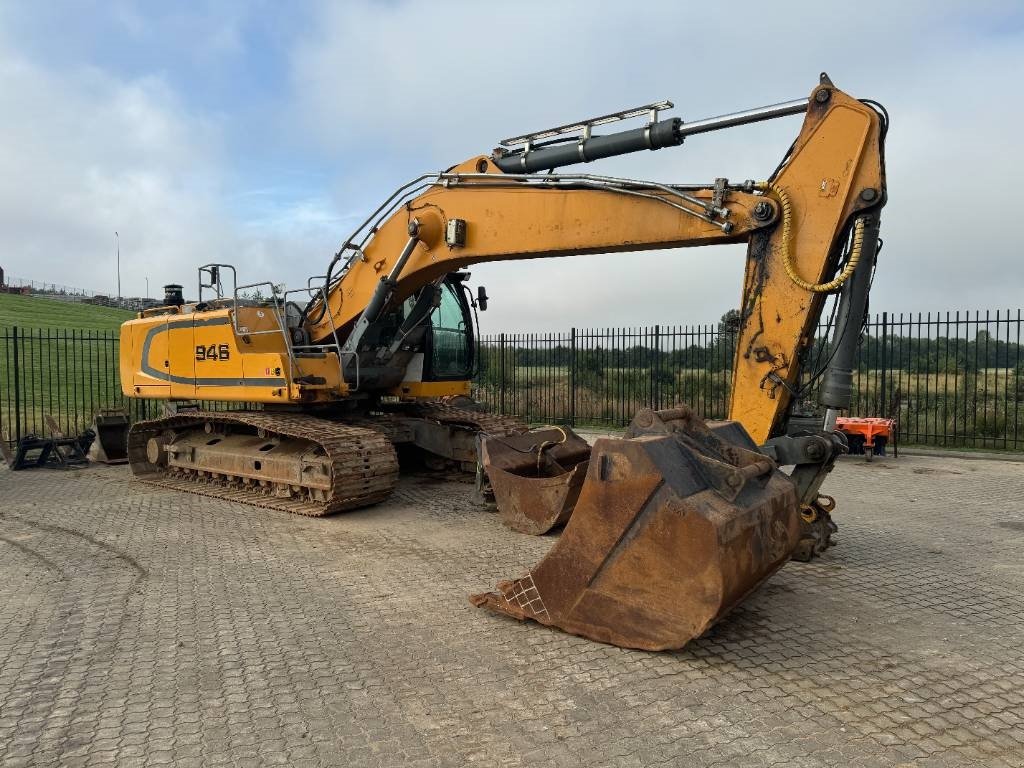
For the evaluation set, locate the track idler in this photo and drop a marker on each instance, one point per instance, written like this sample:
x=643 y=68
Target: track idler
x=536 y=476
x=673 y=527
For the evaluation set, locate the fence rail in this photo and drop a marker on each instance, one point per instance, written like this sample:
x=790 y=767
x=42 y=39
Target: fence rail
x=953 y=379
x=950 y=379
x=39 y=286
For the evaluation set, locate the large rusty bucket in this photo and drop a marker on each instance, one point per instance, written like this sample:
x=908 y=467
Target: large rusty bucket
x=536 y=476
x=674 y=526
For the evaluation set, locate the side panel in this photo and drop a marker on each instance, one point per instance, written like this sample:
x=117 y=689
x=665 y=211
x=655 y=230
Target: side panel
x=217 y=360
x=179 y=337
x=197 y=355
x=144 y=362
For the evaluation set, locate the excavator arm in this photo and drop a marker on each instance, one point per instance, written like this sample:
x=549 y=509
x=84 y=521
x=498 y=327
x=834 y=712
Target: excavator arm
x=796 y=226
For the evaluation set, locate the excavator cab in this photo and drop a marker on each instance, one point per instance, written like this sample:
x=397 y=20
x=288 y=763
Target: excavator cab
x=431 y=338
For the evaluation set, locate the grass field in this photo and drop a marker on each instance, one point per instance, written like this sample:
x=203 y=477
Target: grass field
x=29 y=312
x=67 y=362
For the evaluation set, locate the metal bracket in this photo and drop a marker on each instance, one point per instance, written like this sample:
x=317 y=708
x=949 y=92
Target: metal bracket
x=799 y=449
x=771 y=381
x=718 y=197
x=813 y=454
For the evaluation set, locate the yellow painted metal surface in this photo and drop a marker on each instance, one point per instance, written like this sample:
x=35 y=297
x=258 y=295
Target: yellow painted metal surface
x=505 y=224
x=836 y=157
x=430 y=390
x=198 y=355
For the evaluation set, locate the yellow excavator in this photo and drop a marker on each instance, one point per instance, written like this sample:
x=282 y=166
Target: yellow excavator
x=670 y=526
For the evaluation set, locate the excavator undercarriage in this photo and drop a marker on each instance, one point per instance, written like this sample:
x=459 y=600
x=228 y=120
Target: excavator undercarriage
x=301 y=463
x=292 y=462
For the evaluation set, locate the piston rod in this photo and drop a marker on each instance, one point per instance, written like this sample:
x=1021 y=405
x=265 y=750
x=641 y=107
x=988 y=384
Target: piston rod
x=656 y=135
x=756 y=115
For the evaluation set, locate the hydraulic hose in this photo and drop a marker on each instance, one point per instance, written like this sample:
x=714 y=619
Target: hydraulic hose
x=787 y=233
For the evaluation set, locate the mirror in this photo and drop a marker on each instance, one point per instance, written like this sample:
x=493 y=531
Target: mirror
x=481 y=298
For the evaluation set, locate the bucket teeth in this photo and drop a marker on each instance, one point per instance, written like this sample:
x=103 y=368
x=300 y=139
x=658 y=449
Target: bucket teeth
x=671 y=530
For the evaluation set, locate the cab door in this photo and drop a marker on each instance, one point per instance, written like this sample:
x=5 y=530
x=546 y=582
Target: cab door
x=449 y=346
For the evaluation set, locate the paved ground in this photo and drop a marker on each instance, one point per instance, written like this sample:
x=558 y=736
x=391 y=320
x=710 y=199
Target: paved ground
x=143 y=627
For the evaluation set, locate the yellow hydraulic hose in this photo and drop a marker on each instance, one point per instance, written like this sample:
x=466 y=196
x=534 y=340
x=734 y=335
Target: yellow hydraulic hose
x=787 y=256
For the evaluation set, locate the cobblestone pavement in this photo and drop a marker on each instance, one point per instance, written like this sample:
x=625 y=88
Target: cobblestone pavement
x=141 y=627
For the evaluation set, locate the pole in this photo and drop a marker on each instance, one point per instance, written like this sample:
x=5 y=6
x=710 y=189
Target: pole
x=885 y=362
x=147 y=287
x=117 y=241
x=17 y=386
x=656 y=371
x=573 y=380
x=501 y=373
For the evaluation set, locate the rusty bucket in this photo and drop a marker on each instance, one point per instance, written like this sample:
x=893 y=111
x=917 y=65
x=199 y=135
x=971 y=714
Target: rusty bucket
x=536 y=476
x=673 y=527
x=111 y=443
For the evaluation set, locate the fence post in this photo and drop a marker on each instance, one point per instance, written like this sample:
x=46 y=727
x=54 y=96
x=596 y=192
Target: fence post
x=17 y=386
x=880 y=410
x=501 y=374
x=572 y=380
x=656 y=371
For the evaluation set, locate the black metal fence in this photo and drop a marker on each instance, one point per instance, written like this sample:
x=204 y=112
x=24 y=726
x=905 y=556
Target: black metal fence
x=953 y=379
x=66 y=373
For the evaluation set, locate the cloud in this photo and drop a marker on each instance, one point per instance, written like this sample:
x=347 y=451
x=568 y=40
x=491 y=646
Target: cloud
x=84 y=155
x=87 y=151
x=392 y=90
x=260 y=137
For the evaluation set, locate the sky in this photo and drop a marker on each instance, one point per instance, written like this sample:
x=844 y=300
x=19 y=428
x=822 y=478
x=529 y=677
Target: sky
x=262 y=133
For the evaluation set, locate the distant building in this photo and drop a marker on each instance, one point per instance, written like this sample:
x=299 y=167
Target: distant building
x=5 y=288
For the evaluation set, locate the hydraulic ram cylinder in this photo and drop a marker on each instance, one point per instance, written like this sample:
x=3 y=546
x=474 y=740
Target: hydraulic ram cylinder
x=663 y=133
x=836 y=390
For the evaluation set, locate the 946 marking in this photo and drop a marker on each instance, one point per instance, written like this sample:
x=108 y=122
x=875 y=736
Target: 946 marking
x=212 y=352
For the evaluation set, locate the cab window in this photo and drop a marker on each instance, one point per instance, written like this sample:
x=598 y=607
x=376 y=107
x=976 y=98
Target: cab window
x=450 y=345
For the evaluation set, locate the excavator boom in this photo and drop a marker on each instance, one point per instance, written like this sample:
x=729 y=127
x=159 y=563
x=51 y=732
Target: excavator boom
x=795 y=227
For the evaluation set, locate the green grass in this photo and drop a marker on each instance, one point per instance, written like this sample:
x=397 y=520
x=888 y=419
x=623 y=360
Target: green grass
x=67 y=365
x=29 y=312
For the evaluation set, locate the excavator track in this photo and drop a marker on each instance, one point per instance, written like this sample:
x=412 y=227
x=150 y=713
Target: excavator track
x=348 y=466
x=357 y=454
x=476 y=421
